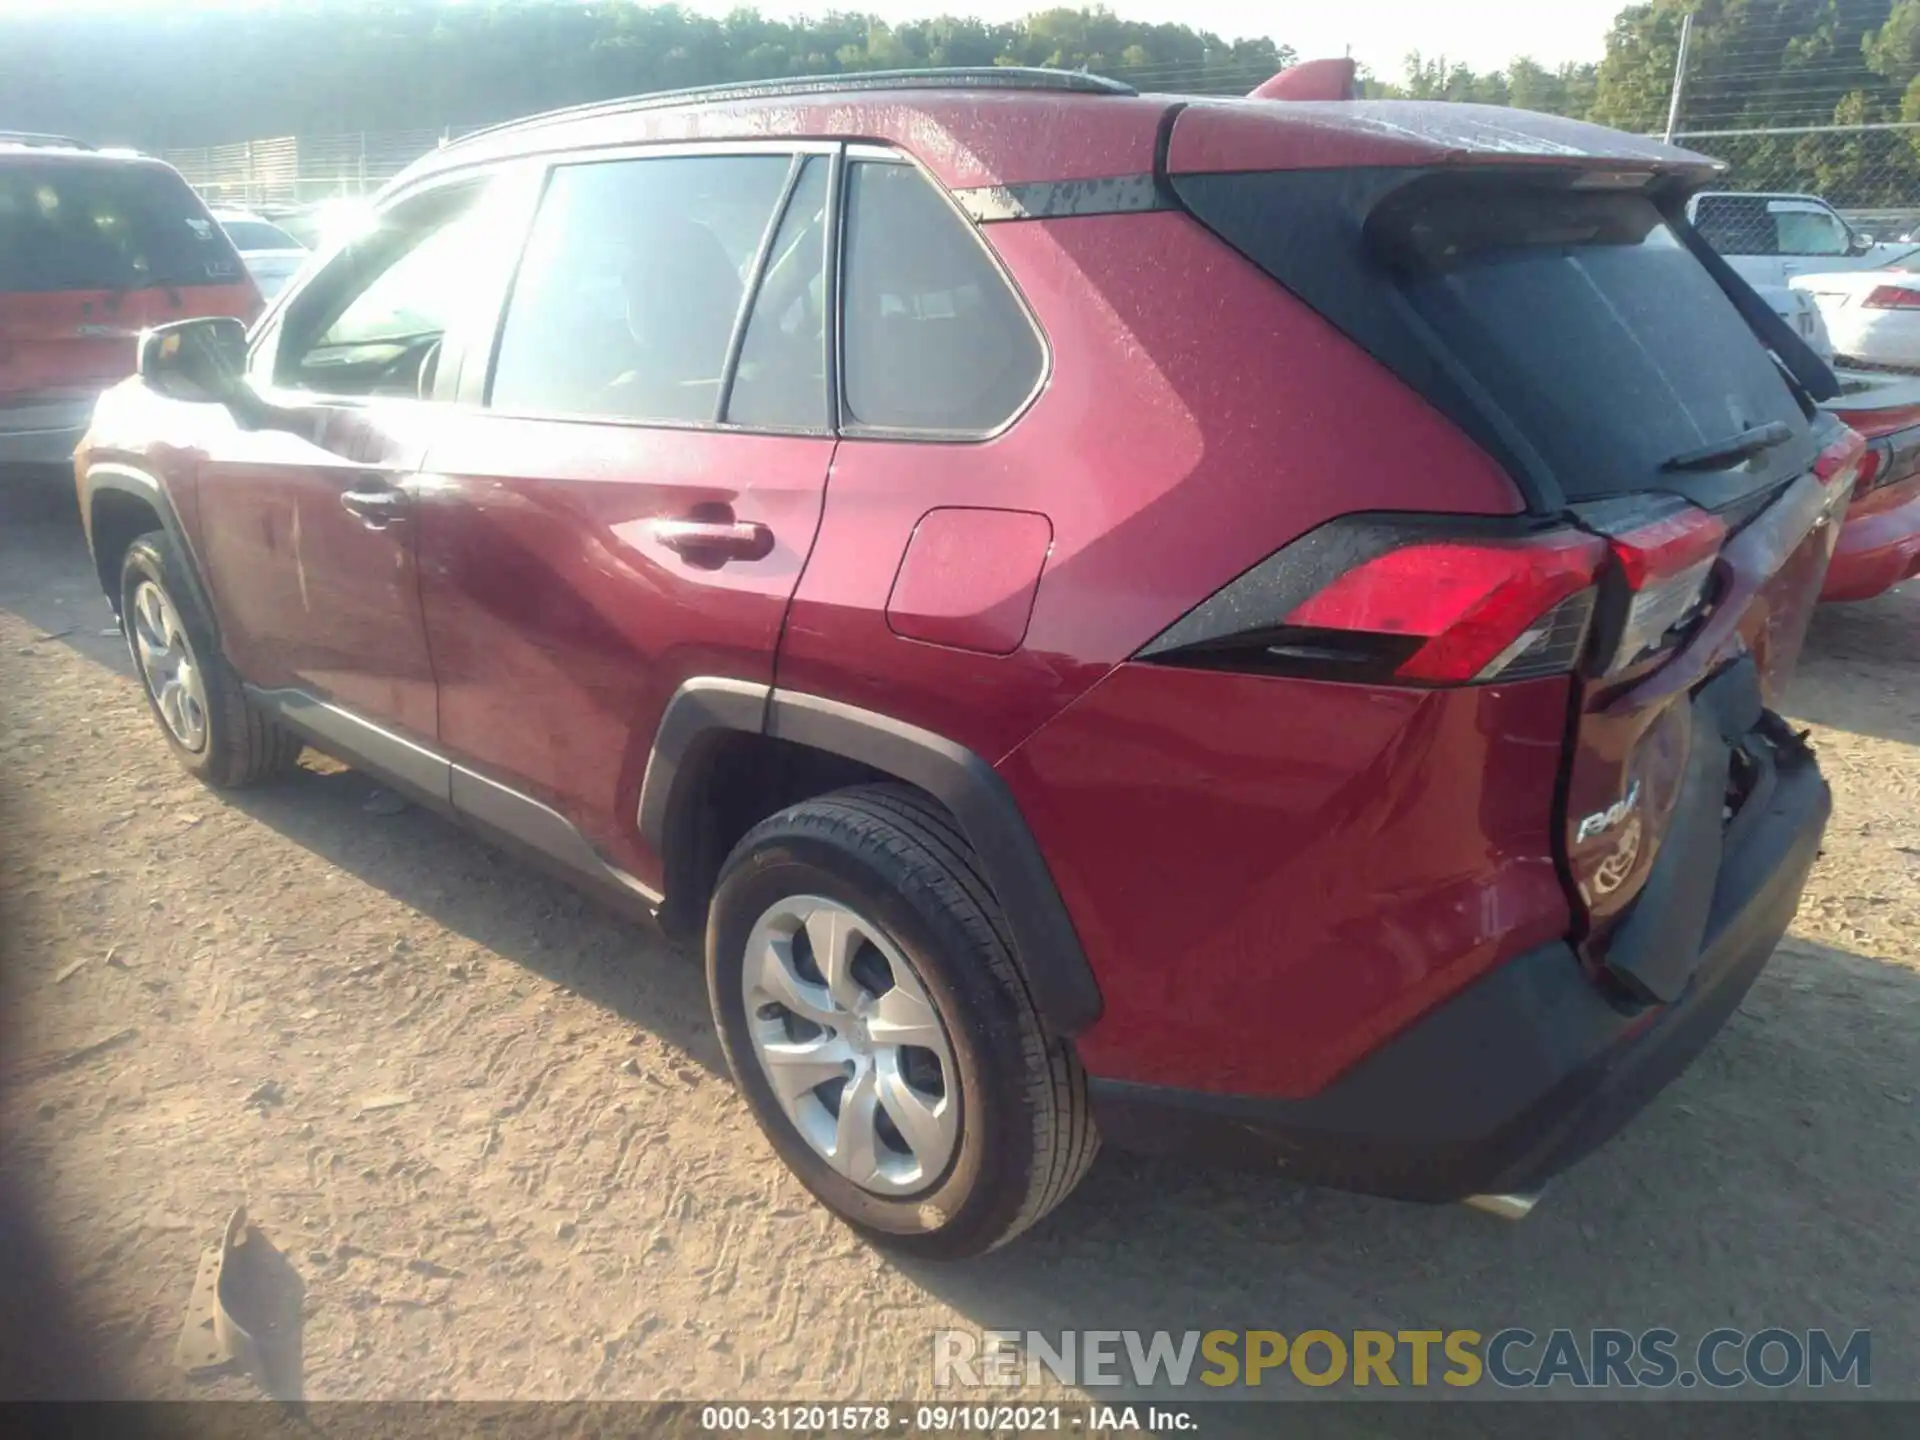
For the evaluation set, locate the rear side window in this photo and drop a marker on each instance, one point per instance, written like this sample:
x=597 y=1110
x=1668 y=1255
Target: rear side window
x=97 y=225
x=934 y=339
x=1599 y=332
x=631 y=284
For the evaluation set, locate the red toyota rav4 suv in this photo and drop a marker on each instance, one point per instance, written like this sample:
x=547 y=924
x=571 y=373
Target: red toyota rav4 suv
x=94 y=247
x=1236 y=626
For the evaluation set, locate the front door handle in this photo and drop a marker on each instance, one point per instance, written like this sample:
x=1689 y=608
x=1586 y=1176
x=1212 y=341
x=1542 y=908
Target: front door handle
x=715 y=541
x=377 y=509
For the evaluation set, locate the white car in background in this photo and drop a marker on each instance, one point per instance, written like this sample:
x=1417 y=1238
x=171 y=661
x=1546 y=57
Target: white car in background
x=1873 y=316
x=270 y=254
x=1772 y=240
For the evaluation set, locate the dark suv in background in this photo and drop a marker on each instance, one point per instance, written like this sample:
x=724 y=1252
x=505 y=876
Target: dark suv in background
x=94 y=247
x=1234 y=626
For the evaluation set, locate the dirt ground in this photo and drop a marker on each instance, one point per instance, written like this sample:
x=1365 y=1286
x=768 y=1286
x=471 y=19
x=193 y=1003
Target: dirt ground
x=489 y=1124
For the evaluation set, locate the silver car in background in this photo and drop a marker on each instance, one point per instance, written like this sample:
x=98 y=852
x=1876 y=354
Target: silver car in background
x=271 y=255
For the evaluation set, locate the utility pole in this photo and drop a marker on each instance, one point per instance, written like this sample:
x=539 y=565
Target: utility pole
x=1679 y=76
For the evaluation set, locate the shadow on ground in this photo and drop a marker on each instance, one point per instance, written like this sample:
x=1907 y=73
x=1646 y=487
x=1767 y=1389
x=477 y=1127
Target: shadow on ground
x=1856 y=672
x=494 y=899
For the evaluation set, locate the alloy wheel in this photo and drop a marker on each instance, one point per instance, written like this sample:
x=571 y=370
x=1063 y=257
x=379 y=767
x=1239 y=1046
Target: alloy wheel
x=168 y=666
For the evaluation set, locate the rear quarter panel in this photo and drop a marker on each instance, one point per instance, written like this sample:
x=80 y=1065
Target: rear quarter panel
x=1273 y=876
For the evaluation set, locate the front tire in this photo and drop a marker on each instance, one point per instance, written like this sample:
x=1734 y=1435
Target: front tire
x=211 y=727
x=866 y=995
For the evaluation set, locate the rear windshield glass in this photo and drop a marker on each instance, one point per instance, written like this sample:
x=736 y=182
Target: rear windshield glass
x=1596 y=330
x=97 y=226
x=1572 y=333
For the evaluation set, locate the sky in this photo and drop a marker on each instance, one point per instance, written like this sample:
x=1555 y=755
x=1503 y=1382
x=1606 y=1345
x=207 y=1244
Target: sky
x=1485 y=34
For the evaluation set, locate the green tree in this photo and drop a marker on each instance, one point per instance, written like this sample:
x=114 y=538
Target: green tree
x=194 y=76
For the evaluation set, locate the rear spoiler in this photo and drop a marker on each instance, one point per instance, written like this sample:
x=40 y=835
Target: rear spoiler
x=1312 y=80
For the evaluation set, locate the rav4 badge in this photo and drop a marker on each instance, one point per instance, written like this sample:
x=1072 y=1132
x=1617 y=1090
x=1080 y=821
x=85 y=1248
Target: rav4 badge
x=1602 y=821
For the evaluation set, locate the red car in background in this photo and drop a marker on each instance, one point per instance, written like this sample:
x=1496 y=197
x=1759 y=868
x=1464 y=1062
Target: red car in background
x=1880 y=540
x=1232 y=626
x=95 y=246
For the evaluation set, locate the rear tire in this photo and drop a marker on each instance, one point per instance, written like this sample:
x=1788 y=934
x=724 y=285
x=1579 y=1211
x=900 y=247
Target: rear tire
x=215 y=732
x=891 y=868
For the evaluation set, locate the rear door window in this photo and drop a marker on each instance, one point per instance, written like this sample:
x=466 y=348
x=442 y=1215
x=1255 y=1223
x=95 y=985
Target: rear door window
x=1596 y=329
x=631 y=285
x=935 y=339
x=99 y=225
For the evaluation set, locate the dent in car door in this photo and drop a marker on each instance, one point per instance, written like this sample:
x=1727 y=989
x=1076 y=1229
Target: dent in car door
x=594 y=536
x=312 y=594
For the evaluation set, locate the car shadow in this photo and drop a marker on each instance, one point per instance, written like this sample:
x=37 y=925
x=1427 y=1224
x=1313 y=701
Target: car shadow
x=46 y=575
x=1779 y=1170
x=1856 y=670
x=494 y=899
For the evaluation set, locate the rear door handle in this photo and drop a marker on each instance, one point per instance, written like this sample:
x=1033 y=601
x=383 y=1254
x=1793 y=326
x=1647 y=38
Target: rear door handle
x=377 y=508
x=715 y=540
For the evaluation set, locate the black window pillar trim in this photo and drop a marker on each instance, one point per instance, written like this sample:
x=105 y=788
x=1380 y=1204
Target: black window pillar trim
x=1046 y=945
x=1814 y=375
x=750 y=288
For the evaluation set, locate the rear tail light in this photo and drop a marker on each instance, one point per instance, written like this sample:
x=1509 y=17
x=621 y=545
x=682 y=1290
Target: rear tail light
x=1667 y=566
x=1873 y=464
x=1891 y=449
x=1478 y=611
x=1397 y=601
x=1839 y=464
x=1385 y=601
x=1891 y=297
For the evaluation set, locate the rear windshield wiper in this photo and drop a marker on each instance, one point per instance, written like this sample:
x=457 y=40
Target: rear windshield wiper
x=1724 y=454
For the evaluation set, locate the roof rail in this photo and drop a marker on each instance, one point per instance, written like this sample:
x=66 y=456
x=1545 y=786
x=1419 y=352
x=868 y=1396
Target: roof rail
x=37 y=140
x=981 y=77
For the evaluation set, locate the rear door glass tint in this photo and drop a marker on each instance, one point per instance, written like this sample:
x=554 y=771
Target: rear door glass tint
x=631 y=285
x=97 y=225
x=935 y=340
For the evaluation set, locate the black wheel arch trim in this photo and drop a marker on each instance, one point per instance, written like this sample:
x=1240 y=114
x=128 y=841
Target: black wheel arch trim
x=1045 y=943
x=130 y=480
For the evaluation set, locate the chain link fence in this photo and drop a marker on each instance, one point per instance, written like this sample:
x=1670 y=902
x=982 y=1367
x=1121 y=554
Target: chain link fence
x=1870 y=173
x=289 y=171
